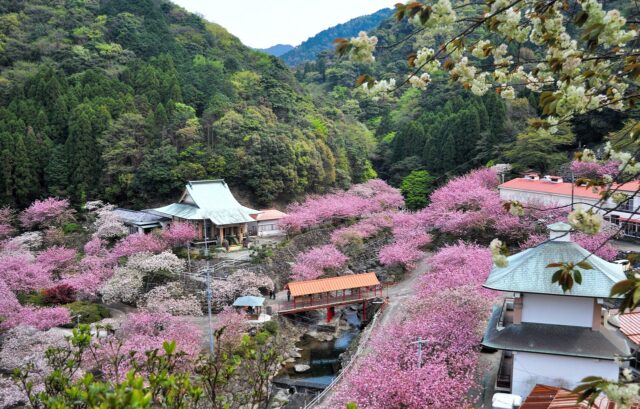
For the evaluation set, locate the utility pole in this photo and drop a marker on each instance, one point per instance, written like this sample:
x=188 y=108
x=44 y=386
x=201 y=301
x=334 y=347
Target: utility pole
x=420 y=341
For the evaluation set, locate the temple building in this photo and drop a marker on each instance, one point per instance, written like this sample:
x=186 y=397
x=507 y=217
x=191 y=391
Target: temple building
x=212 y=207
x=548 y=336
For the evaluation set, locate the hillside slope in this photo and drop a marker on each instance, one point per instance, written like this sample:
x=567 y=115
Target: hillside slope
x=124 y=101
x=323 y=41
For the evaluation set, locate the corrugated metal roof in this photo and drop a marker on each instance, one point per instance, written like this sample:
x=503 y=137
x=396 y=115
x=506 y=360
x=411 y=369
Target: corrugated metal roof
x=527 y=271
x=550 y=397
x=212 y=200
x=248 y=301
x=324 y=285
x=630 y=325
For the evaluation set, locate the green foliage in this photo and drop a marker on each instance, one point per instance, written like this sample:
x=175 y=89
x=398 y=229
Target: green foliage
x=36 y=299
x=271 y=327
x=87 y=311
x=539 y=150
x=416 y=188
x=126 y=100
x=69 y=228
x=260 y=254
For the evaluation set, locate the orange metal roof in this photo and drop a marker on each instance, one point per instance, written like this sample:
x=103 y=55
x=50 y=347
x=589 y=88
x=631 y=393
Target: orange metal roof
x=269 y=214
x=563 y=188
x=550 y=397
x=630 y=325
x=324 y=285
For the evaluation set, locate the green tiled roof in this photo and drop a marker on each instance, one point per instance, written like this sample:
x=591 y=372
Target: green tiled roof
x=211 y=199
x=527 y=271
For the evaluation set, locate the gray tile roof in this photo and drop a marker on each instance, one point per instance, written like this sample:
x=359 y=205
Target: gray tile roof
x=527 y=271
x=138 y=218
x=553 y=339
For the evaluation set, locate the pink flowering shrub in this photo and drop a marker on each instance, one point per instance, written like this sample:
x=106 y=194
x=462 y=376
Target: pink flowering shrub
x=470 y=206
x=94 y=247
x=147 y=331
x=315 y=262
x=15 y=314
x=138 y=243
x=94 y=272
x=594 y=169
x=371 y=197
x=22 y=273
x=107 y=225
x=42 y=212
x=179 y=234
x=455 y=266
x=404 y=251
x=390 y=376
x=229 y=327
x=363 y=229
x=57 y=258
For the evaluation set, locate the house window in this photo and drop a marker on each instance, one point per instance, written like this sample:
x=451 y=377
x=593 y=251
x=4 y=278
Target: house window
x=626 y=206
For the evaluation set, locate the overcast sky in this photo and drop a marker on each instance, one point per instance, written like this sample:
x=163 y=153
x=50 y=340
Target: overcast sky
x=263 y=23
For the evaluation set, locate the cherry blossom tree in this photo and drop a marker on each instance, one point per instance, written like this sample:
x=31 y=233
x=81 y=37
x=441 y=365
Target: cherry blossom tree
x=57 y=258
x=230 y=325
x=390 y=376
x=179 y=233
x=371 y=197
x=138 y=243
x=238 y=284
x=470 y=206
x=47 y=211
x=107 y=225
x=21 y=272
x=317 y=262
x=457 y=265
x=594 y=169
x=171 y=298
x=15 y=314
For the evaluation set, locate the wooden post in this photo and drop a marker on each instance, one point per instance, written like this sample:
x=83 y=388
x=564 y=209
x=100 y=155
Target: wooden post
x=241 y=233
x=364 y=311
x=221 y=235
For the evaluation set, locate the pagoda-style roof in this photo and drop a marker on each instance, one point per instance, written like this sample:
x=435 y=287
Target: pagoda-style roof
x=527 y=271
x=209 y=199
x=551 y=339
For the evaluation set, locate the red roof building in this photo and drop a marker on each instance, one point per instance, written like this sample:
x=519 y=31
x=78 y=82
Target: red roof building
x=549 y=397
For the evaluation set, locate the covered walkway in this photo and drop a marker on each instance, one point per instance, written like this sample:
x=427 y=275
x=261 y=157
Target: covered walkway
x=329 y=293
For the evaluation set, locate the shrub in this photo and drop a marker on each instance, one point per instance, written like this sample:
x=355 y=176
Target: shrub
x=69 y=228
x=32 y=298
x=88 y=312
x=60 y=294
x=271 y=327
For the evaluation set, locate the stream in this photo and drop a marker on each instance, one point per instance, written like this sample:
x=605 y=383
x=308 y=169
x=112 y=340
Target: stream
x=323 y=356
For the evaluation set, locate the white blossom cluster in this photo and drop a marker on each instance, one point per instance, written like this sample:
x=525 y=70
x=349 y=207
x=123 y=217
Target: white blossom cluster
x=124 y=286
x=499 y=259
x=379 y=88
x=153 y=263
x=571 y=68
x=586 y=221
x=170 y=298
x=107 y=224
x=625 y=395
x=628 y=164
x=363 y=47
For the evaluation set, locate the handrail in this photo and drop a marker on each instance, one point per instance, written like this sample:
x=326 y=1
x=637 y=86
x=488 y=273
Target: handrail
x=366 y=334
x=289 y=306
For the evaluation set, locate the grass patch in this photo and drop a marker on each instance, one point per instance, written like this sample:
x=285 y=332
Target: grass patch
x=89 y=312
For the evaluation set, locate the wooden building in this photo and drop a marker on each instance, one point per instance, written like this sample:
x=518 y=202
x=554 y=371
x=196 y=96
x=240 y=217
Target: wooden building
x=212 y=207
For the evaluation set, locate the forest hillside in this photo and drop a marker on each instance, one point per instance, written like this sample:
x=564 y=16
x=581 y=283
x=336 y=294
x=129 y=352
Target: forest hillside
x=124 y=101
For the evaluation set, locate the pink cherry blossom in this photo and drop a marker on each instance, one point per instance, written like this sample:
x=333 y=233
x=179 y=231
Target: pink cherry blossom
x=95 y=247
x=594 y=169
x=232 y=325
x=137 y=243
x=45 y=211
x=22 y=273
x=56 y=258
x=179 y=233
x=371 y=197
x=404 y=251
x=315 y=262
x=6 y=218
x=457 y=265
x=15 y=314
x=470 y=206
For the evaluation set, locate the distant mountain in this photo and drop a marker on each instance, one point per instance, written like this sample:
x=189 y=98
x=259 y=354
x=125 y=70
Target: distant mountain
x=277 y=50
x=322 y=41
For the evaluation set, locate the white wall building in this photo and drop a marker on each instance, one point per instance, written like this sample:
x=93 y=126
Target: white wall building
x=552 y=337
x=553 y=191
x=267 y=223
